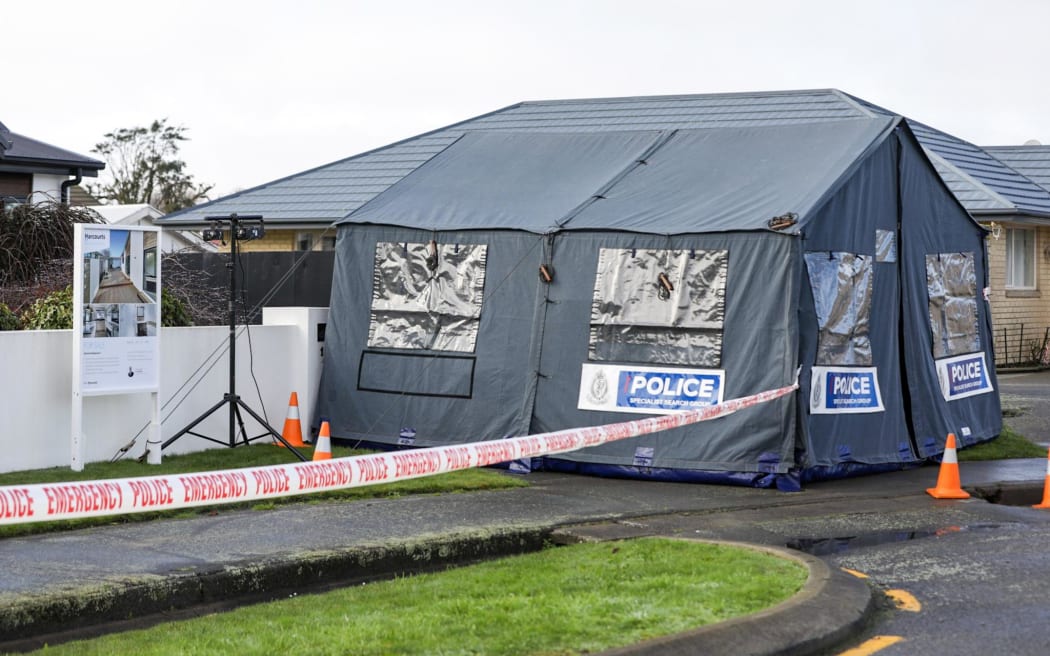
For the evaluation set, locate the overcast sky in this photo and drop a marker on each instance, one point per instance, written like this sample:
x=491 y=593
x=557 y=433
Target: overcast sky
x=271 y=88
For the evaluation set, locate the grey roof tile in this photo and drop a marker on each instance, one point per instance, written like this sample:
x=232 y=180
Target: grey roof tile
x=1016 y=192
x=1033 y=162
x=21 y=149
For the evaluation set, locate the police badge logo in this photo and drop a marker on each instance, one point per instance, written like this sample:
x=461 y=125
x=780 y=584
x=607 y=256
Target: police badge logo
x=599 y=391
x=817 y=393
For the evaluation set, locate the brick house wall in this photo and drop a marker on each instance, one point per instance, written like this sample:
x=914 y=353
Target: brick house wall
x=283 y=239
x=1019 y=317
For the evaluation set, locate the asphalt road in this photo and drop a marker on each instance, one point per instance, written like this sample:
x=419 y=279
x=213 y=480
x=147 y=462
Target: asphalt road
x=982 y=589
x=978 y=573
x=976 y=576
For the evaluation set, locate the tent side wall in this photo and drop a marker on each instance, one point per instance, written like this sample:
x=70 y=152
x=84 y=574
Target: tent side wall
x=421 y=396
x=757 y=353
x=850 y=251
x=883 y=226
x=945 y=277
x=525 y=372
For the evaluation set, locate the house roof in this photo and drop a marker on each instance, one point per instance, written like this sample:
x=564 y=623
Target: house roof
x=328 y=193
x=1033 y=162
x=23 y=154
x=983 y=184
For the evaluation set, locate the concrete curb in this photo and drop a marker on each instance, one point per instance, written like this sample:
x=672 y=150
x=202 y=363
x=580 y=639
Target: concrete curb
x=31 y=621
x=831 y=607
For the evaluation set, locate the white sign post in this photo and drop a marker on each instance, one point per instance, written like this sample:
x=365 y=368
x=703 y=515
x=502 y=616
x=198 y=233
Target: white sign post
x=116 y=322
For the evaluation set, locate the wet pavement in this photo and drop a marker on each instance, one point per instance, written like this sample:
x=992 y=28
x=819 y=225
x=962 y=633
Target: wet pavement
x=163 y=569
x=100 y=574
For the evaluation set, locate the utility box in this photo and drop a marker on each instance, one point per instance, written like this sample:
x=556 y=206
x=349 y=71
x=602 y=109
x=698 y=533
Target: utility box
x=306 y=359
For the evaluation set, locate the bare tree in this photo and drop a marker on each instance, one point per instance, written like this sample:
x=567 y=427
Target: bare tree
x=205 y=302
x=144 y=167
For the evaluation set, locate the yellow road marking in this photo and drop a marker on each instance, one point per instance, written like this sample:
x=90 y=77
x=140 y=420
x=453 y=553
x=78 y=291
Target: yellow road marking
x=868 y=647
x=904 y=600
x=859 y=575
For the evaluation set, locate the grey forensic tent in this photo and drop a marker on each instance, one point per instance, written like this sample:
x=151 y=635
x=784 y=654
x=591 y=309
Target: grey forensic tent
x=520 y=283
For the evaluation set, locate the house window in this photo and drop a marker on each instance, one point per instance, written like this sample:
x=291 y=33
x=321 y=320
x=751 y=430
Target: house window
x=662 y=306
x=15 y=189
x=304 y=241
x=1020 y=258
x=427 y=296
x=328 y=243
x=951 y=283
x=841 y=285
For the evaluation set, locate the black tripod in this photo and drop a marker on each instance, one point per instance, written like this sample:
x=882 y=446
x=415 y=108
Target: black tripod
x=238 y=233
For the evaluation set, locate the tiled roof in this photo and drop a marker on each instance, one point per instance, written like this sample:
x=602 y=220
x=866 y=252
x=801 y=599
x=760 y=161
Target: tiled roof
x=1033 y=162
x=328 y=193
x=5 y=139
x=982 y=183
x=16 y=149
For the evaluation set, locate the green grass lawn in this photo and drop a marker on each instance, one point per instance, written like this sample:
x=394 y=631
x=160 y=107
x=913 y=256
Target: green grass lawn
x=256 y=455
x=564 y=600
x=1008 y=445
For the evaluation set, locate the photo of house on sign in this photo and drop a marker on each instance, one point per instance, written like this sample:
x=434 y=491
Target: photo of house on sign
x=120 y=284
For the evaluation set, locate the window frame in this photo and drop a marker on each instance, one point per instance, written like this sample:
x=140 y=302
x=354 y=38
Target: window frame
x=690 y=335
x=427 y=284
x=1011 y=257
x=308 y=238
x=835 y=302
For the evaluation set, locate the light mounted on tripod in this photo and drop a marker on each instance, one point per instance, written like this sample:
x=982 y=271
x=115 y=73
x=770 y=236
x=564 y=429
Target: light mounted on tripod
x=242 y=228
x=212 y=234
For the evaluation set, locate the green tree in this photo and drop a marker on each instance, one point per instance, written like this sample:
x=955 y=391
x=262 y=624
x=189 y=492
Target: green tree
x=143 y=165
x=55 y=312
x=8 y=319
x=51 y=312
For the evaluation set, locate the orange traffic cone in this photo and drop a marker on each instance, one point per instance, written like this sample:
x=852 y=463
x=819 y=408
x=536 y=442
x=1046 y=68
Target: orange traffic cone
x=323 y=450
x=293 y=428
x=1046 y=486
x=948 y=486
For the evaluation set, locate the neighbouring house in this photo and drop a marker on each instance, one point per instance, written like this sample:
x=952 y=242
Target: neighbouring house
x=142 y=214
x=1019 y=250
x=33 y=171
x=300 y=209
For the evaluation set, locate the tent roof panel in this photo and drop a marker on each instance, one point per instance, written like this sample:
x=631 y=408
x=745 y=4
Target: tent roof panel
x=506 y=179
x=677 y=182
x=733 y=178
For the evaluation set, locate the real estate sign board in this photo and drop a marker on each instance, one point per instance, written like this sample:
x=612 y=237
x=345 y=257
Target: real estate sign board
x=116 y=309
x=116 y=322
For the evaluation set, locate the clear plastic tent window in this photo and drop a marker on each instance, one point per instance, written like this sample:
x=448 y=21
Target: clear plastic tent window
x=951 y=281
x=427 y=296
x=659 y=306
x=885 y=246
x=841 y=284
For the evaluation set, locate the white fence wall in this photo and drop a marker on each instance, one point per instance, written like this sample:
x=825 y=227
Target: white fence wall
x=36 y=393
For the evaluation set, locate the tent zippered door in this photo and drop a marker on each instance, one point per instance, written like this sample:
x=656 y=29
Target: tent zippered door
x=901 y=308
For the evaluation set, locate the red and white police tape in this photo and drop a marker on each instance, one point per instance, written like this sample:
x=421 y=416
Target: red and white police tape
x=20 y=504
